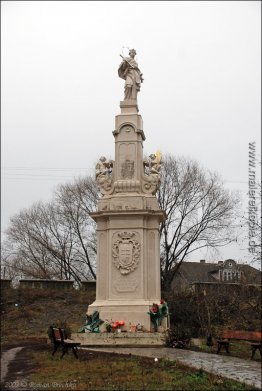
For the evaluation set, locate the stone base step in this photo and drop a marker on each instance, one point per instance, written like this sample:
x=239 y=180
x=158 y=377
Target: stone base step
x=136 y=339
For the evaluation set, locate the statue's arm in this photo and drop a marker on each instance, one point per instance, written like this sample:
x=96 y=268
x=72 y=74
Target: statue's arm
x=122 y=70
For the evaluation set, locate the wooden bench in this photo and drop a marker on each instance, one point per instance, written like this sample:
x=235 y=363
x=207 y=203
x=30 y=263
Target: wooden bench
x=59 y=338
x=253 y=338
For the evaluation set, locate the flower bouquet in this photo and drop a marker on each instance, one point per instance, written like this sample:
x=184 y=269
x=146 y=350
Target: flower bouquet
x=117 y=325
x=157 y=313
x=92 y=323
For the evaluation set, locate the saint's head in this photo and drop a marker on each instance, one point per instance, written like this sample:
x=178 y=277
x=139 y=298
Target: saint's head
x=132 y=53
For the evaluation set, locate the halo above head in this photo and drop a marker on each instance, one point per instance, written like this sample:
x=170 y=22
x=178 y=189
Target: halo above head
x=158 y=155
x=132 y=50
x=125 y=49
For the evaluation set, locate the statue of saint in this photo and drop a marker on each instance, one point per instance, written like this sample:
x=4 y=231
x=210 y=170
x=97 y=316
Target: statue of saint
x=129 y=71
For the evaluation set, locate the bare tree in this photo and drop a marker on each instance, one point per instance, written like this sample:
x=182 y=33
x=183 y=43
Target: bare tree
x=59 y=238
x=22 y=253
x=75 y=202
x=200 y=213
x=56 y=239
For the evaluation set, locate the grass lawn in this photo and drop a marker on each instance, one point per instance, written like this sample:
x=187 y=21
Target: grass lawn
x=109 y=371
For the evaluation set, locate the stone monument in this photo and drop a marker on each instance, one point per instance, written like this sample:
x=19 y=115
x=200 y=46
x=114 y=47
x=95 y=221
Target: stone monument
x=128 y=217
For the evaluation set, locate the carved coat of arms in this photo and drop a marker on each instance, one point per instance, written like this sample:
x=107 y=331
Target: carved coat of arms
x=126 y=252
x=127 y=169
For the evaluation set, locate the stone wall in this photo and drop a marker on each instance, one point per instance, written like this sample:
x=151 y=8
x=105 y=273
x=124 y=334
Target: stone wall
x=88 y=286
x=5 y=283
x=47 y=284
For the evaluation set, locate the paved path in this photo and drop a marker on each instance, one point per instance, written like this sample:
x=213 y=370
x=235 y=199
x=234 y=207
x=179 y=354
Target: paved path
x=244 y=371
x=6 y=359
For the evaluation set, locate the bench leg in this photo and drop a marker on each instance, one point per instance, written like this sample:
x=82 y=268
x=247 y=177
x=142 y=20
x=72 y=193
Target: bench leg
x=65 y=350
x=254 y=348
x=55 y=349
x=75 y=352
x=253 y=352
x=220 y=346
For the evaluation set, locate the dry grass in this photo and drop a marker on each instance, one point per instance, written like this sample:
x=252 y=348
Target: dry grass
x=37 y=309
x=104 y=371
x=94 y=370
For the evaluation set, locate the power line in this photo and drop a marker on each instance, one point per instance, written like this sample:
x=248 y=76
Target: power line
x=60 y=169
x=73 y=168
x=46 y=168
x=38 y=178
x=38 y=175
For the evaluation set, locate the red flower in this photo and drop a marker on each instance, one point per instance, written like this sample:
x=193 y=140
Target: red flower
x=118 y=323
x=154 y=308
x=162 y=301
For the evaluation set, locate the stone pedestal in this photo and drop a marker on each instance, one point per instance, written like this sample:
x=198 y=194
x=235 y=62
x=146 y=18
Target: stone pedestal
x=120 y=339
x=128 y=218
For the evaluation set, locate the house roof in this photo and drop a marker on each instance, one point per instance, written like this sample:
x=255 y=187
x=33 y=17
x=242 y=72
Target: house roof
x=205 y=272
x=198 y=271
x=253 y=275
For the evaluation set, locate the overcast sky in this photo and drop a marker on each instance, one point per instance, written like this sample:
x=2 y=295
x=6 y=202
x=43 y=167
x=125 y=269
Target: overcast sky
x=201 y=96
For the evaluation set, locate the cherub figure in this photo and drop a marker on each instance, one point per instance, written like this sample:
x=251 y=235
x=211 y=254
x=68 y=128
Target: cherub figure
x=155 y=164
x=104 y=178
x=152 y=172
x=103 y=168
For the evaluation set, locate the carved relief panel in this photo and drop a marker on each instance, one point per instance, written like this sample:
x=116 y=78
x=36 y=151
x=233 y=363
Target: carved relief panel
x=127 y=165
x=126 y=284
x=126 y=251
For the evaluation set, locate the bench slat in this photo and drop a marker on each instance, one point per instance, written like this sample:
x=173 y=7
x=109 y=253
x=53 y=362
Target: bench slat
x=59 y=339
x=245 y=335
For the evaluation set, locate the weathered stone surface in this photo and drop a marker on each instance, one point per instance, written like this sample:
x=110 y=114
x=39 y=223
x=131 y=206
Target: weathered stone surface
x=128 y=219
x=137 y=339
